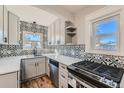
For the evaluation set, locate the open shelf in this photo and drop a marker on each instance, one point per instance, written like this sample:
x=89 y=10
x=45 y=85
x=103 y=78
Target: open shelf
x=71 y=28
x=71 y=33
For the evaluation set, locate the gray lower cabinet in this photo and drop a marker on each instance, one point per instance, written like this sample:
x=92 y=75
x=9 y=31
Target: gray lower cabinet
x=30 y=69
x=41 y=68
x=33 y=67
x=47 y=67
x=9 y=80
x=63 y=76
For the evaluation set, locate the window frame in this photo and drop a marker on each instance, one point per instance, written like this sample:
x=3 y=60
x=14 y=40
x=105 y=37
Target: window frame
x=104 y=18
x=103 y=13
x=24 y=42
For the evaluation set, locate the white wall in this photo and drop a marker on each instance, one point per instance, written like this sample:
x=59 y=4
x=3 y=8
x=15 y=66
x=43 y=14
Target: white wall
x=80 y=22
x=58 y=11
x=30 y=14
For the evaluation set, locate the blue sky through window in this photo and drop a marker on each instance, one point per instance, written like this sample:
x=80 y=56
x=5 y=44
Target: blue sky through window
x=32 y=37
x=106 y=31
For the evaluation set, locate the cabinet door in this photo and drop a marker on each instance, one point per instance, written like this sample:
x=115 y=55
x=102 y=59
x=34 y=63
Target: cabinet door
x=41 y=66
x=62 y=31
x=57 y=32
x=13 y=28
x=47 y=67
x=49 y=35
x=9 y=80
x=53 y=34
x=1 y=24
x=5 y=25
x=30 y=69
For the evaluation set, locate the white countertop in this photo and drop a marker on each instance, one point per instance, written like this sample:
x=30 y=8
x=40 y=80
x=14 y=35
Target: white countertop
x=11 y=64
x=63 y=59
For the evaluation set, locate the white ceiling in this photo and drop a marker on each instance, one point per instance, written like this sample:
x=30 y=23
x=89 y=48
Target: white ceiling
x=43 y=15
x=67 y=11
x=73 y=8
x=30 y=14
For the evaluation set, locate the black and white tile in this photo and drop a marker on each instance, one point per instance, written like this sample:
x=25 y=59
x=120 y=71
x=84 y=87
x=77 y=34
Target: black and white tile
x=17 y=50
x=78 y=51
x=31 y=27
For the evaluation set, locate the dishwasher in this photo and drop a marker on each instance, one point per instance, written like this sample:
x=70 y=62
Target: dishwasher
x=54 y=72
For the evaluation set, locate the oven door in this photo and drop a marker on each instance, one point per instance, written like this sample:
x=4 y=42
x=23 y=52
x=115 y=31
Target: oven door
x=71 y=81
x=75 y=82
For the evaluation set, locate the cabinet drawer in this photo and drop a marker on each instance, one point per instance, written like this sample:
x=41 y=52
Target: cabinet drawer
x=34 y=60
x=29 y=60
x=63 y=76
x=40 y=59
x=9 y=80
x=63 y=84
x=63 y=67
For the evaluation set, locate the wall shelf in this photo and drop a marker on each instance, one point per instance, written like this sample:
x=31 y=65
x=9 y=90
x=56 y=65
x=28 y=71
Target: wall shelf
x=71 y=28
x=70 y=34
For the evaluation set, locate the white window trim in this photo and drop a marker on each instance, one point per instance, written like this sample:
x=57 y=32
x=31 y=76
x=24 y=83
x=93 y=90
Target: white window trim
x=117 y=33
x=101 y=14
x=26 y=32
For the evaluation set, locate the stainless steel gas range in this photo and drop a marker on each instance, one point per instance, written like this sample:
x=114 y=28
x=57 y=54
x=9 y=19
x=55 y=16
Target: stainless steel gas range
x=90 y=74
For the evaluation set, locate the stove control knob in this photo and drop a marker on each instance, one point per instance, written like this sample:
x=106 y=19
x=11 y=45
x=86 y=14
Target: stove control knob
x=112 y=83
x=103 y=79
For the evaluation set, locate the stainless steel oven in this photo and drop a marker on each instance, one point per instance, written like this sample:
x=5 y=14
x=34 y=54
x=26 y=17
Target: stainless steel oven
x=75 y=82
x=91 y=74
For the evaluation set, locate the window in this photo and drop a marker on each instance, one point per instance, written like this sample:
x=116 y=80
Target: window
x=105 y=33
x=32 y=40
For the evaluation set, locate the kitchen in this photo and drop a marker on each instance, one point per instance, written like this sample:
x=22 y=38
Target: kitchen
x=61 y=46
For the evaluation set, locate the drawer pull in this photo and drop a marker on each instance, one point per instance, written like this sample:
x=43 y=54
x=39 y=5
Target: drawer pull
x=63 y=67
x=63 y=76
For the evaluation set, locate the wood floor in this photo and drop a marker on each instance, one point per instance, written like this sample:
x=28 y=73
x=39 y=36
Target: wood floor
x=42 y=82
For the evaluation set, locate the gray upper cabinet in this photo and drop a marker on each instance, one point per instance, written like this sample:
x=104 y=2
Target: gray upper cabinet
x=5 y=27
x=9 y=27
x=1 y=24
x=56 y=32
x=13 y=22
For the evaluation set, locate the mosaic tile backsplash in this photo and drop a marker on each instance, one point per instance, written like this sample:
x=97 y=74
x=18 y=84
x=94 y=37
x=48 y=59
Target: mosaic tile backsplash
x=13 y=50
x=35 y=28
x=78 y=51
x=17 y=50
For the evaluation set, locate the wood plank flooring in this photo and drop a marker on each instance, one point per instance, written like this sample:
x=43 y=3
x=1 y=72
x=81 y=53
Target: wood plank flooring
x=41 y=82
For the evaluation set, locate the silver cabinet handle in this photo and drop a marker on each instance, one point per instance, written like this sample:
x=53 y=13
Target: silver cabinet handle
x=63 y=67
x=63 y=76
x=5 y=39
